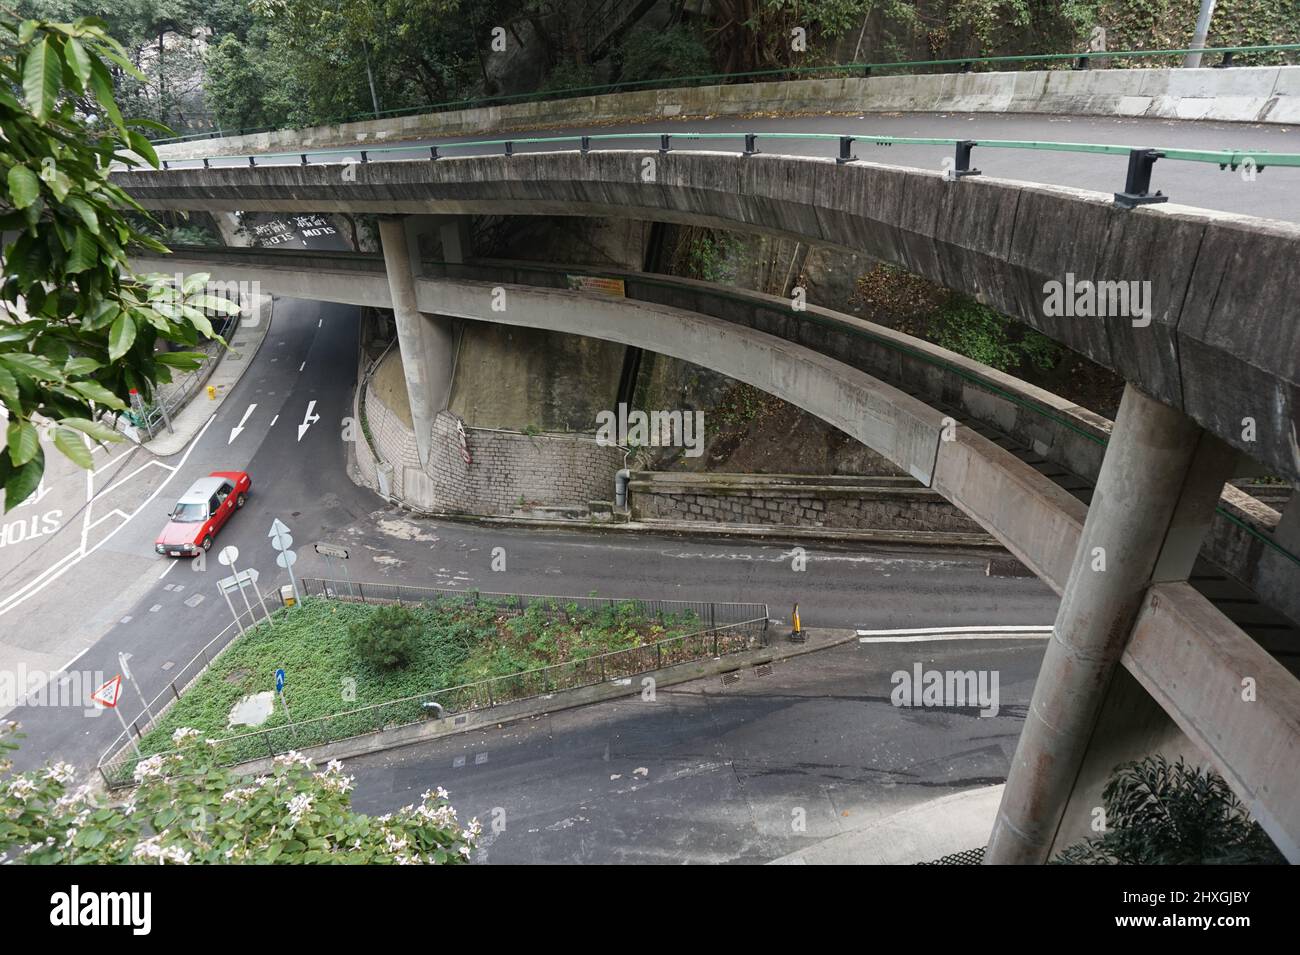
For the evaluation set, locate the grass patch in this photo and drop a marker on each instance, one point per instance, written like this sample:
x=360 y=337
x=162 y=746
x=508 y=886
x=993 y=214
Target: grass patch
x=461 y=641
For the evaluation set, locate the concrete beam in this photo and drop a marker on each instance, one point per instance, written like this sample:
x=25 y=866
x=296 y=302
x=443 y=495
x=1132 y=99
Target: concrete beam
x=1238 y=704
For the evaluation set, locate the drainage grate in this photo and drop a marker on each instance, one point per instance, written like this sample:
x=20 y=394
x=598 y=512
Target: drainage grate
x=763 y=669
x=731 y=678
x=965 y=857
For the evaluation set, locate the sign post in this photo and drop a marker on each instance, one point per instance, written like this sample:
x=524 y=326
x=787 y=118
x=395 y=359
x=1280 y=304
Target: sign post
x=109 y=695
x=122 y=659
x=332 y=552
x=279 y=691
x=281 y=540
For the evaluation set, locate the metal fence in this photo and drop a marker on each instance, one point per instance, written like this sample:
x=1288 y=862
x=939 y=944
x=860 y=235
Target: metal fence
x=710 y=614
x=725 y=627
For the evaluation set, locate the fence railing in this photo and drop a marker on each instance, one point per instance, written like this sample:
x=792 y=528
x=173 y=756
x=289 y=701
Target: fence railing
x=725 y=628
x=1137 y=185
x=1227 y=54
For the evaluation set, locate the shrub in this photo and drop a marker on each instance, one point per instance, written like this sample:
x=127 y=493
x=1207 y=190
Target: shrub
x=1157 y=813
x=388 y=639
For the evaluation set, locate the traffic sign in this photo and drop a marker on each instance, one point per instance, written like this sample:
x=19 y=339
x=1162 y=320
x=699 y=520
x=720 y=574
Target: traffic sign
x=282 y=541
x=109 y=693
x=332 y=550
x=279 y=681
x=236 y=581
x=286 y=559
x=228 y=555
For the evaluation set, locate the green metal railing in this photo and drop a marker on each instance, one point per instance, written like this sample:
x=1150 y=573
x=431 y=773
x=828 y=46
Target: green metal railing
x=965 y=64
x=1136 y=187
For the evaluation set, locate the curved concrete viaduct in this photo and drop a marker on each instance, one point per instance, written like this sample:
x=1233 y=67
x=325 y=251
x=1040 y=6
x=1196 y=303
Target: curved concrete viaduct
x=1192 y=678
x=1216 y=336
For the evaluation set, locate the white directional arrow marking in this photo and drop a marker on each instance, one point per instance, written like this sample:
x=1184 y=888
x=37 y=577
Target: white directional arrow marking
x=235 y=431
x=308 y=419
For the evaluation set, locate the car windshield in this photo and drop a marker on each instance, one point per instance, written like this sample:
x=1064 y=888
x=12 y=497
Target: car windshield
x=189 y=513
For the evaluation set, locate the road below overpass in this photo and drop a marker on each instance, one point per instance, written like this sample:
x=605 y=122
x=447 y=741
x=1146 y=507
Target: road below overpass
x=162 y=611
x=1273 y=193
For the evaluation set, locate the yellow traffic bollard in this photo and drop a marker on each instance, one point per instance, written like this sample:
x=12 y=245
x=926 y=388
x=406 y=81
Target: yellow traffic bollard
x=212 y=393
x=796 y=631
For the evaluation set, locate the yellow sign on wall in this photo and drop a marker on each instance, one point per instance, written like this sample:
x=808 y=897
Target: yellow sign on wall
x=594 y=283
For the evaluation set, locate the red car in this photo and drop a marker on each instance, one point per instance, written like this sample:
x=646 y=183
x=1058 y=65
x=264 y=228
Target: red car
x=202 y=511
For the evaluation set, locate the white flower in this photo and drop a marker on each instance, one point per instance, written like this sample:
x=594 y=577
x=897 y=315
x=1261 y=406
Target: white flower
x=148 y=768
x=464 y=851
x=299 y=806
x=293 y=758
x=183 y=734
x=22 y=788
x=61 y=773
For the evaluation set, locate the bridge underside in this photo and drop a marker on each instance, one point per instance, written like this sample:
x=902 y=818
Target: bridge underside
x=1156 y=492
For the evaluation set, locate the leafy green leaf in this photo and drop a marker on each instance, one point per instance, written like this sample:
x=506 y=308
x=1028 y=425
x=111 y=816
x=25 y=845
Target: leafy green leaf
x=98 y=394
x=24 y=441
x=73 y=446
x=24 y=186
x=31 y=365
x=22 y=481
x=143 y=147
x=8 y=386
x=80 y=365
x=121 y=336
x=180 y=359
x=41 y=75
x=85 y=254
x=95 y=429
x=78 y=60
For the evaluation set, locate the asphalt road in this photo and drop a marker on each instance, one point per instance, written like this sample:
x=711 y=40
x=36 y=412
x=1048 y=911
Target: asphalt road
x=709 y=774
x=1274 y=193
x=163 y=611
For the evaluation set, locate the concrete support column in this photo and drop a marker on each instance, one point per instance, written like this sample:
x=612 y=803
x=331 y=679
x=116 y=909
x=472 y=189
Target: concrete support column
x=426 y=342
x=1145 y=490
x=456 y=241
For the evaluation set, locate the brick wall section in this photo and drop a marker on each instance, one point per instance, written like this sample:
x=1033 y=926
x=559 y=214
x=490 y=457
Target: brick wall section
x=842 y=503
x=547 y=470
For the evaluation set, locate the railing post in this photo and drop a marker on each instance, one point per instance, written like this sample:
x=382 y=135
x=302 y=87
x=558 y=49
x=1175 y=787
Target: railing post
x=962 y=168
x=364 y=157
x=585 y=145
x=1137 y=184
x=251 y=162
x=1226 y=62
x=751 y=144
x=205 y=163
x=510 y=148
x=269 y=748
x=846 y=150
x=361 y=589
x=172 y=684
x=164 y=164
x=664 y=142
x=433 y=152
x=303 y=157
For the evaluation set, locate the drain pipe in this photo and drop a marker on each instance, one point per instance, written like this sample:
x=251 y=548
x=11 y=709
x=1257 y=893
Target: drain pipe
x=621 y=479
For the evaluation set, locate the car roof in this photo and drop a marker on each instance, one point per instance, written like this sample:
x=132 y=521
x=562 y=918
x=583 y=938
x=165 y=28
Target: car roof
x=201 y=490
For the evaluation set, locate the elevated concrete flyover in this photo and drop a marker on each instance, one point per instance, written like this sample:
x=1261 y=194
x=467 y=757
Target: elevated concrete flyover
x=1219 y=341
x=1042 y=522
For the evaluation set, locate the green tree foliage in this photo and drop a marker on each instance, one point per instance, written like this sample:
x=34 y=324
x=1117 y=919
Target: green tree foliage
x=186 y=810
x=986 y=335
x=77 y=329
x=677 y=51
x=1162 y=814
x=388 y=639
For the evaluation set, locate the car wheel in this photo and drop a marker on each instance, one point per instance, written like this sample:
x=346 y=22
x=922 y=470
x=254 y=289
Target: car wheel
x=239 y=501
x=207 y=542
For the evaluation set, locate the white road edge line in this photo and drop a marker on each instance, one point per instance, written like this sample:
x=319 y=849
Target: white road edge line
x=954 y=633
x=36 y=586
x=1011 y=628
x=170 y=565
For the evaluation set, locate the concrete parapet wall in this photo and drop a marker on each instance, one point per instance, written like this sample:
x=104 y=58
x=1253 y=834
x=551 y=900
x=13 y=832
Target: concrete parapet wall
x=1256 y=94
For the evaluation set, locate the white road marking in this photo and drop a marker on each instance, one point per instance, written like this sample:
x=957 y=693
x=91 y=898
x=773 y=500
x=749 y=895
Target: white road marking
x=55 y=571
x=274 y=420
x=935 y=634
x=68 y=665
x=319 y=321
x=308 y=419
x=238 y=429
x=302 y=366
x=171 y=564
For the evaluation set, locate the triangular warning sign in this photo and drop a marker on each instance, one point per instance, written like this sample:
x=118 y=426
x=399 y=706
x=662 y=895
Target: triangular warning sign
x=108 y=694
